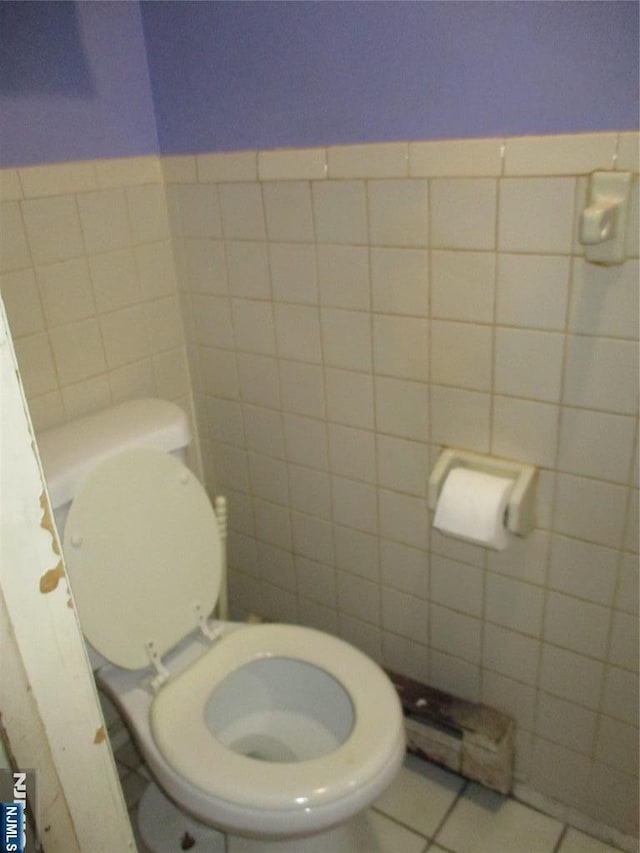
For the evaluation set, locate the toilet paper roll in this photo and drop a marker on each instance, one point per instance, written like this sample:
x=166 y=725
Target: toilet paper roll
x=472 y=506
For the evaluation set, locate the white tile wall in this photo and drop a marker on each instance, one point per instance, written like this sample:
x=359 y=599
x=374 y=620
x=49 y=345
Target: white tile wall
x=88 y=278
x=346 y=312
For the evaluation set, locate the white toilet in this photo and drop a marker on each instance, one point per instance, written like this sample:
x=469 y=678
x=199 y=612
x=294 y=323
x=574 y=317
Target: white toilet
x=261 y=730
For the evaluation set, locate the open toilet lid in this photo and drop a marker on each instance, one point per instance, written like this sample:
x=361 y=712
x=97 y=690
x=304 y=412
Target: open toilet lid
x=142 y=549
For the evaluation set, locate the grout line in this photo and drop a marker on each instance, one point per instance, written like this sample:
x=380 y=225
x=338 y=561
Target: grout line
x=560 y=840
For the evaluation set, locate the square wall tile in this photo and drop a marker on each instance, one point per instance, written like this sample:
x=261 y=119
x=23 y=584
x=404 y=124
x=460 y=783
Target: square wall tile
x=510 y=697
x=400 y=346
x=571 y=676
x=288 y=211
x=263 y=427
x=78 y=351
x=53 y=230
x=513 y=604
x=405 y=568
x=455 y=158
x=536 y=215
x=105 y=220
x=627 y=593
x=620 y=698
x=563 y=772
x=399 y=212
x=405 y=615
x=454 y=675
x=352 y=453
x=306 y=441
x=354 y=504
x=21 y=298
x=532 y=291
x=156 y=269
x=358 y=597
x=402 y=408
x=525 y=430
x=461 y=355
x=340 y=211
x=259 y=382
x=205 y=267
x=577 y=625
x=458 y=586
x=578 y=153
x=115 y=279
x=312 y=538
x=529 y=364
x=248 y=266
x=226 y=166
x=510 y=654
x=403 y=518
x=242 y=211
x=590 y=510
x=357 y=552
x=14 y=249
x=604 y=300
x=350 y=398
x=211 y=317
x=316 y=581
x=623 y=648
x=583 y=569
x=253 y=326
x=617 y=745
x=463 y=285
x=601 y=373
x=346 y=339
x=298 y=332
x=463 y=213
x=302 y=388
x=460 y=418
x=400 y=281
x=525 y=559
x=290 y=164
x=10 y=186
x=125 y=335
x=456 y=633
x=217 y=372
x=596 y=444
x=37 y=366
x=148 y=213
x=293 y=272
x=343 y=277
x=269 y=479
x=403 y=465
x=384 y=160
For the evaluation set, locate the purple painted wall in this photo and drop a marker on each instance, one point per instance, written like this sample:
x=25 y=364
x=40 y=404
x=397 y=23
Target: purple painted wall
x=233 y=75
x=228 y=75
x=74 y=83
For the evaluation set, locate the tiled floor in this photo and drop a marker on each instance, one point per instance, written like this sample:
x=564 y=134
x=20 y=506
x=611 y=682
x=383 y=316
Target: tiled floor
x=426 y=809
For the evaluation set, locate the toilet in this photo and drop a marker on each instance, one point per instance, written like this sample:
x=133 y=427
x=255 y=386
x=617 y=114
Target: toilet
x=267 y=730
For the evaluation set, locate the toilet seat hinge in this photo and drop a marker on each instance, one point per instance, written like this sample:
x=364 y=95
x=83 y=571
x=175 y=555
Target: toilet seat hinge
x=162 y=673
x=205 y=628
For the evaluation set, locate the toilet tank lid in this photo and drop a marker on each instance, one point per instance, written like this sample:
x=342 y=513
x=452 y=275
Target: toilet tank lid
x=70 y=451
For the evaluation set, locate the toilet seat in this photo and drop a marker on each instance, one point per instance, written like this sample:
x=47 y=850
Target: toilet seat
x=142 y=548
x=181 y=733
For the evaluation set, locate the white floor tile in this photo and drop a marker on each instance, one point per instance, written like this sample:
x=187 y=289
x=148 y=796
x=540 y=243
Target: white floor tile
x=578 y=842
x=367 y=833
x=420 y=796
x=485 y=822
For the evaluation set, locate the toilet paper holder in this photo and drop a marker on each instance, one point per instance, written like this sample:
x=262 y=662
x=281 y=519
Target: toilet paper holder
x=521 y=507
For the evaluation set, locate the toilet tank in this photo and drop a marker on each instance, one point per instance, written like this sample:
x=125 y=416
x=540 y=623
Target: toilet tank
x=69 y=452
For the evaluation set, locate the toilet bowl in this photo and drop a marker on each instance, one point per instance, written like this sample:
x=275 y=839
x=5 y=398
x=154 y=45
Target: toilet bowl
x=265 y=730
